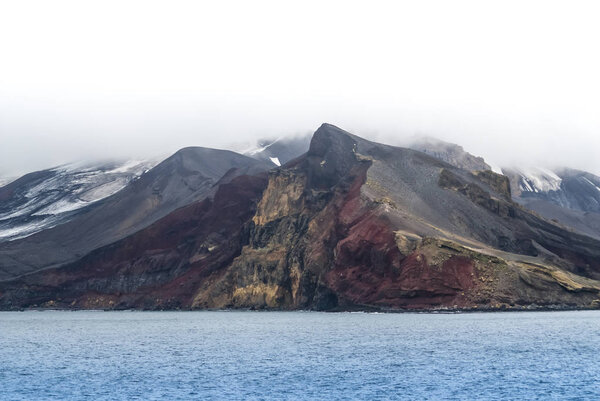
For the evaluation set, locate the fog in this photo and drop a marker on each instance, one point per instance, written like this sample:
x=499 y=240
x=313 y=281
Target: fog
x=515 y=82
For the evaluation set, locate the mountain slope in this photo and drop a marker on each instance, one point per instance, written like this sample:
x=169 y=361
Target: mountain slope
x=43 y=199
x=571 y=197
x=183 y=178
x=352 y=224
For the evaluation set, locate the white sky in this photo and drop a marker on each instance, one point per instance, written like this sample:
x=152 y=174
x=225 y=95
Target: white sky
x=515 y=82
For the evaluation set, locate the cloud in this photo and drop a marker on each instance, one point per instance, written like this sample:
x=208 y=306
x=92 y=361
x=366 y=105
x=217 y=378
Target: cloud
x=514 y=82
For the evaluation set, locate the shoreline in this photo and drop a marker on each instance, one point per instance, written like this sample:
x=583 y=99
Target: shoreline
x=551 y=308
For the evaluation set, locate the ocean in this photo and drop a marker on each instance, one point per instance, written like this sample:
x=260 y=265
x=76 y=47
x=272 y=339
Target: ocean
x=246 y=355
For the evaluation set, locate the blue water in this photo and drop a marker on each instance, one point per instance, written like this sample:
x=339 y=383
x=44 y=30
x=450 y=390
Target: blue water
x=299 y=355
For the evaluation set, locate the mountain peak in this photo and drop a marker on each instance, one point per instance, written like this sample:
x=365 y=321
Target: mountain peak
x=329 y=138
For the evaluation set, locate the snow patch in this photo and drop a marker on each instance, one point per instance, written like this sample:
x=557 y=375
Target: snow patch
x=538 y=179
x=25 y=230
x=275 y=161
x=62 y=206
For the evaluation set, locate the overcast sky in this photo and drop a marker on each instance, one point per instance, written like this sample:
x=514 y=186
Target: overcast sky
x=515 y=82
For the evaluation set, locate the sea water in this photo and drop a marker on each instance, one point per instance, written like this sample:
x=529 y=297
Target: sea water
x=60 y=355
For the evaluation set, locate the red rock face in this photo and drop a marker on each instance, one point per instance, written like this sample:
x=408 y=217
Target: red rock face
x=370 y=269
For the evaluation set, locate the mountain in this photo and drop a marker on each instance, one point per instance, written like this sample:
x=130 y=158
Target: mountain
x=571 y=197
x=351 y=224
x=43 y=199
x=185 y=177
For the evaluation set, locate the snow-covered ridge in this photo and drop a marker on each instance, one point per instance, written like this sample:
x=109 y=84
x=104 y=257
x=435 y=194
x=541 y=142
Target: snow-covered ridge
x=538 y=179
x=42 y=200
x=568 y=188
